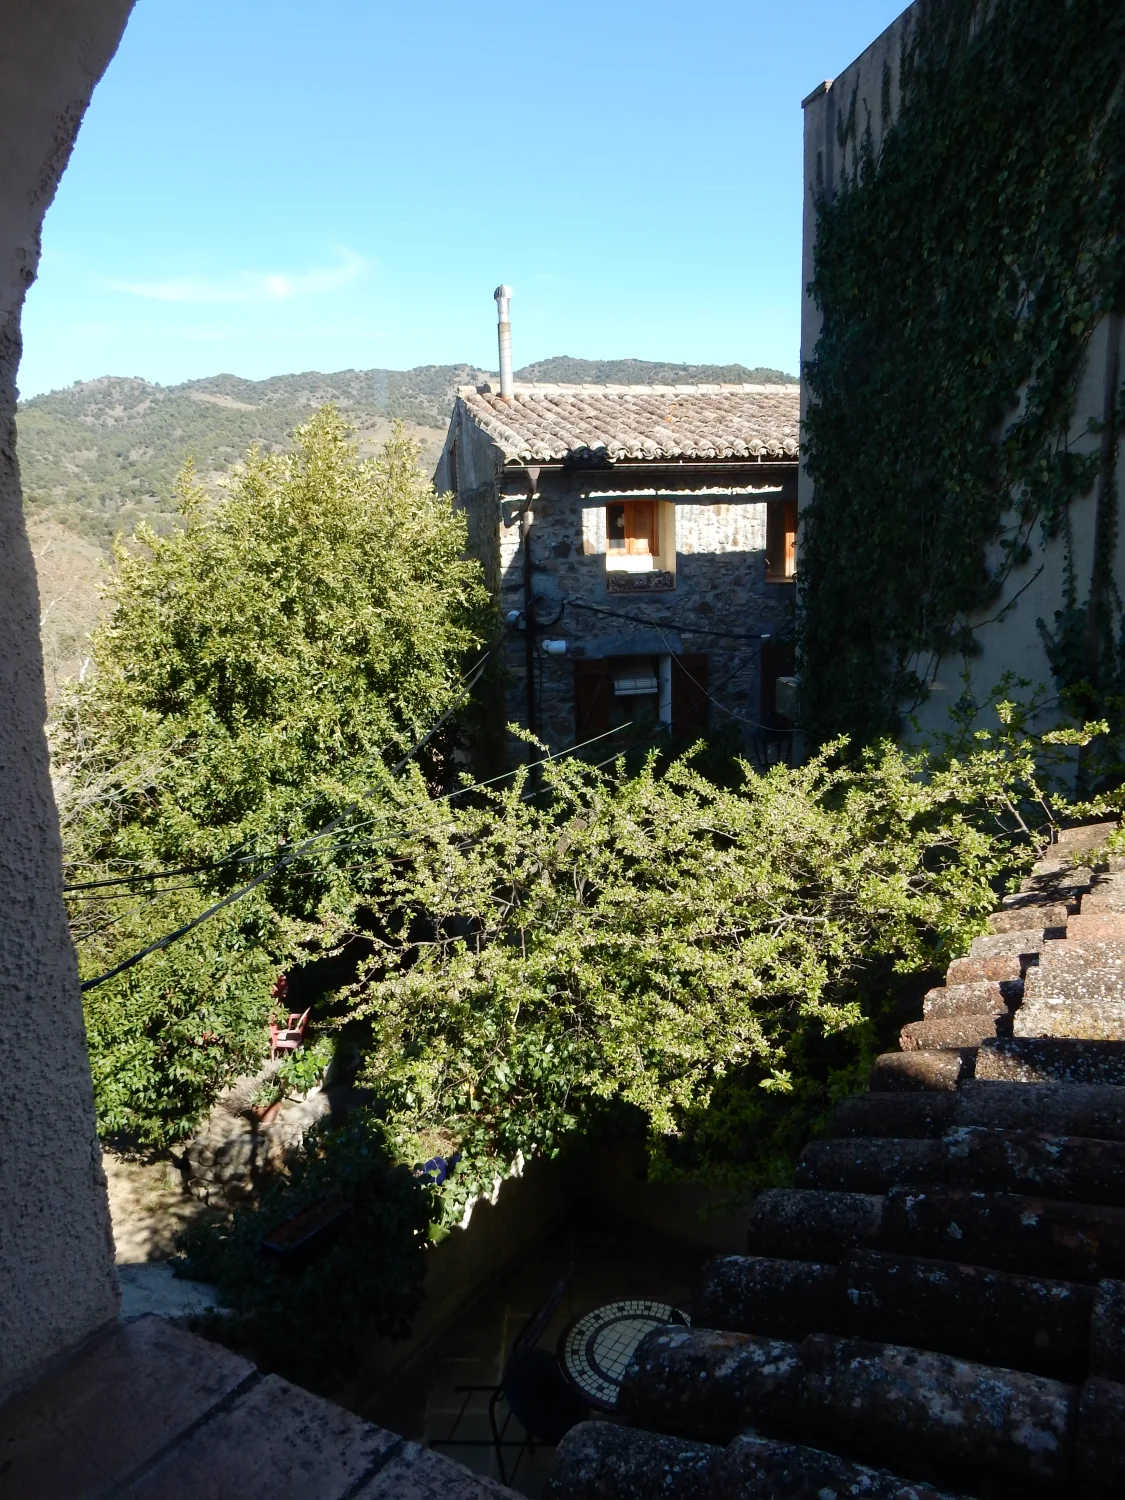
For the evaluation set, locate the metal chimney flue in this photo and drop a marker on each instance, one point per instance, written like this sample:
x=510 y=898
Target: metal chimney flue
x=504 y=332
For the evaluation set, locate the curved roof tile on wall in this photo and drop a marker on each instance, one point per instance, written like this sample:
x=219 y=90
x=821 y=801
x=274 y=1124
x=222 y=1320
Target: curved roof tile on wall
x=552 y=423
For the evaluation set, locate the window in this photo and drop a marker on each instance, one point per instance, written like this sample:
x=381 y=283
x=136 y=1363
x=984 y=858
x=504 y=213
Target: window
x=781 y=541
x=637 y=695
x=630 y=527
x=640 y=545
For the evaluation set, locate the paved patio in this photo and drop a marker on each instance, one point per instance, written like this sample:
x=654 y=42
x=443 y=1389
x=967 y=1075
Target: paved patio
x=611 y=1261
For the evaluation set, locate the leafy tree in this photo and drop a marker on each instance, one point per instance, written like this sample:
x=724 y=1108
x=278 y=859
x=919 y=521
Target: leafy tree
x=313 y=1323
x=260 y=669
x=674 y=945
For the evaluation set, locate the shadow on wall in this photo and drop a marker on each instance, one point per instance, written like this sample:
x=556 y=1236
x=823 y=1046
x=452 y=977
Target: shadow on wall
x=719 y=634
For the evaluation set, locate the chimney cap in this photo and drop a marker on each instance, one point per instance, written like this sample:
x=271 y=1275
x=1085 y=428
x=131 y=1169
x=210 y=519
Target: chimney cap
x=502 y=293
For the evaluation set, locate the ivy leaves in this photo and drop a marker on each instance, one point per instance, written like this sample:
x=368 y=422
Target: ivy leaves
x=960 y=273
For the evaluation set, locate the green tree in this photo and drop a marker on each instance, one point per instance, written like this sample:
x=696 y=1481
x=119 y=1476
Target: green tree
x=260 y=669
x=654 y=939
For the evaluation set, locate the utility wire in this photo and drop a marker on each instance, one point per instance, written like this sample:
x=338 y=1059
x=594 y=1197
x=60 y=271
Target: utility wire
x=690 y=629
x=230 y=856
x=295 y=853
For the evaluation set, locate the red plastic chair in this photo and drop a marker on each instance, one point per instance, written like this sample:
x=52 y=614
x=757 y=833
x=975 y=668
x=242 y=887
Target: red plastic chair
x=288 y=1038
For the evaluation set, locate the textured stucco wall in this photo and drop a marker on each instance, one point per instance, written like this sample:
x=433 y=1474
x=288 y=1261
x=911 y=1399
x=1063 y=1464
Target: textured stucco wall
x=1012 y=643
x=56 y=1253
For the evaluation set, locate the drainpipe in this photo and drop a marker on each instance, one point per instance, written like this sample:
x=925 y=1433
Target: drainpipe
x=1105 y=518
x=504 y=332
x=528 y=587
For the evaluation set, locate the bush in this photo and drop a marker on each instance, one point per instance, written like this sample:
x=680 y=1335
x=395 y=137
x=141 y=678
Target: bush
x=259 y=670
x=671 y=944
x=314 y=1324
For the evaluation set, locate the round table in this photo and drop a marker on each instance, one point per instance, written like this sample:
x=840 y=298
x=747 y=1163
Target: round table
x=594 y=1351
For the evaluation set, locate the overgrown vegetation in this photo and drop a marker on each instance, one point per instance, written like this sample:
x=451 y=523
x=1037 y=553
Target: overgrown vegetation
x=257 y=673
x=313 y=1321
x=662 y=942
x=961 y=269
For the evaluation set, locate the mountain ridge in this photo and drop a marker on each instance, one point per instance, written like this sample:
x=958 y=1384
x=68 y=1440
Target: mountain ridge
x=101 y=455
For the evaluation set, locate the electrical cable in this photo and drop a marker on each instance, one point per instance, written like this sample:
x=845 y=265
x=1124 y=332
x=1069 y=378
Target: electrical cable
x=691 y=629
x=169 y=938
x=467 y=684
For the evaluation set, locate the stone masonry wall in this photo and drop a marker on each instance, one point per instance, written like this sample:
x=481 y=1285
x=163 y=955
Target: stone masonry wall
x=720 y=586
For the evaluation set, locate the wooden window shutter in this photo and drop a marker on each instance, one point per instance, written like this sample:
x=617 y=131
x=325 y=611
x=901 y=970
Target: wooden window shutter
x=778 y=659
x=592 y=688
x=690 y=703
x=781 y=539
x=790 y=539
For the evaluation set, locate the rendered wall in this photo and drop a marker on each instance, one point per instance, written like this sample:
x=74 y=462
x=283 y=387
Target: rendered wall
x=56 y=1251
x=1012 y=643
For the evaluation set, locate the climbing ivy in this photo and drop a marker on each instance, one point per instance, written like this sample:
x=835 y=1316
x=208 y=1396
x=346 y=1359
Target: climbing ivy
x=961 y=267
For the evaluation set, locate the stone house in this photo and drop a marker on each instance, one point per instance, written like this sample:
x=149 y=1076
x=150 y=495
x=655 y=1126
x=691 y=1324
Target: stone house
x=640 y=544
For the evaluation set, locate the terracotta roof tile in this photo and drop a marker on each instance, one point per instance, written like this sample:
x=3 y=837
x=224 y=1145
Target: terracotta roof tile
x=548 y=423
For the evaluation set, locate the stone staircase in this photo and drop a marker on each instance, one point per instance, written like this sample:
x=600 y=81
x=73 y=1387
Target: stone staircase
x=937 y=1307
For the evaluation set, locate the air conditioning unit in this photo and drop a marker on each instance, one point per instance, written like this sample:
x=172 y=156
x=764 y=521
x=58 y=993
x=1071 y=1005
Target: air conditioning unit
x=785 y=697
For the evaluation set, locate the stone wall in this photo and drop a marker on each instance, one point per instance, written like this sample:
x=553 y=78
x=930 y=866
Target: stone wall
x=56 y=1251
x=719 y=586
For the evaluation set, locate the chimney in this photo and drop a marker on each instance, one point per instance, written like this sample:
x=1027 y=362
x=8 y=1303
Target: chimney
x=502 y=295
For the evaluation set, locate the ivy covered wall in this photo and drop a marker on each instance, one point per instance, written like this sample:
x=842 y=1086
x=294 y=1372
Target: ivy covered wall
x=964 y=268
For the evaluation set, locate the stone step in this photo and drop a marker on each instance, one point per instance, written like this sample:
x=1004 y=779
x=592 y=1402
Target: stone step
x=1019 y=1322
x=770 y=1297
x=804 y=1224
x=703 y=1383
x=1100 y=1469
x=871 y=1165
x=1022 y=942
x=1061 y=895
x=985 y=998
x=1068 y=980
x=935 y=1417
x=1051 y=1060
x=951 y=1032
x=909 y=1072
x=1030 y=1323
x=895 y=1114
x=1107 y=1330
x=1093 y=952
x=1032 y=1236
x=1006 y=1161
x=1096 y=925
x=606 y=1461
x=1005 y=967
x=1021 y=918
x=925 y=1414
x=1106 y=894
x=1089 y=1019
x=755 y=1468
x=1096 y=1111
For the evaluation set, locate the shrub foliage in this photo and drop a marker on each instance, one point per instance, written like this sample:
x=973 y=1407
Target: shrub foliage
x=259 y=670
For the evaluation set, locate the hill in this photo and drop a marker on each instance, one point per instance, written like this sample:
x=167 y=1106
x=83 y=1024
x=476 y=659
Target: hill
x=567 y=371
x=102 y=454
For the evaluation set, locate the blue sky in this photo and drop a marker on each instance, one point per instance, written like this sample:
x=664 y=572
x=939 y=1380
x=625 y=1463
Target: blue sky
x=268 y=187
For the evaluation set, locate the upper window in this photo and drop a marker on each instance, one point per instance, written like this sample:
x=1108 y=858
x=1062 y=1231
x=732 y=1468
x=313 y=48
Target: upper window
x=781 y=541
x=630 y=527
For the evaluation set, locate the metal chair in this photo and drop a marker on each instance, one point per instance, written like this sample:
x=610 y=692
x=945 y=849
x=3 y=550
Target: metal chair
x=534 y=1389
